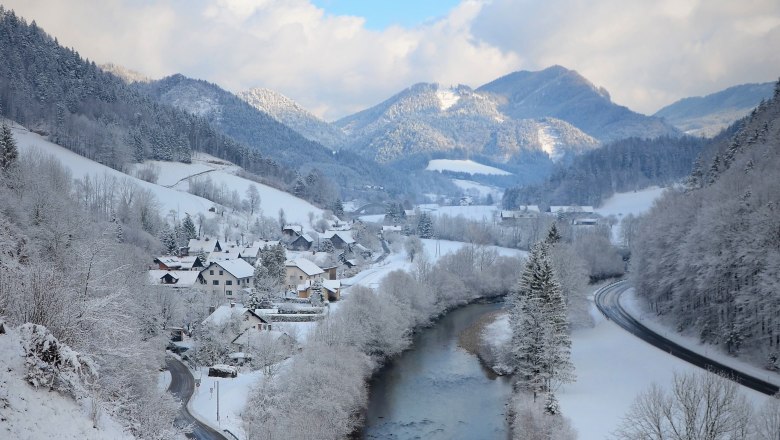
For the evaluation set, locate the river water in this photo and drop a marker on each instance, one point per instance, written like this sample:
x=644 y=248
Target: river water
x=437 y=390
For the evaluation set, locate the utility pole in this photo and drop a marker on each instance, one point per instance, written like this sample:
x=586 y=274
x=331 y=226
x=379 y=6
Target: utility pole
x=217 y=402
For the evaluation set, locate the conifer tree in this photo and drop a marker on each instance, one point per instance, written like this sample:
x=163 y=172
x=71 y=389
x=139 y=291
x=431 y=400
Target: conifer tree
x=7 y=148
x=188 y=228
x=541 y=346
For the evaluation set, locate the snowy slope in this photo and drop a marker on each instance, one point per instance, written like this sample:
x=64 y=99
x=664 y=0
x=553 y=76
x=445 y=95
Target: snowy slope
x=291 y=114
x=464 y=166
x=175 y=174
x=30 y=414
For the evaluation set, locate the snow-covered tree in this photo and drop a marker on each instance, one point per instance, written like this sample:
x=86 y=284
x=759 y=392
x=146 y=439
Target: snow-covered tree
x=252 y=199
x=540 y=339
x=188 y=228
x=8 y=151
x=425 y=225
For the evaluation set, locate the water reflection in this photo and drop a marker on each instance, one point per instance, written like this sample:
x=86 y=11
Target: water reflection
x=438 y=390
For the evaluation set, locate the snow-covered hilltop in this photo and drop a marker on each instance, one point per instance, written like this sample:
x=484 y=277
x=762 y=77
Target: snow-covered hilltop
x=432 y=118
x=293 y=115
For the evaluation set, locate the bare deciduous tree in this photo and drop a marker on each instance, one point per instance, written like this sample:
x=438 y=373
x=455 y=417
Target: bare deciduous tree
x=699 y=406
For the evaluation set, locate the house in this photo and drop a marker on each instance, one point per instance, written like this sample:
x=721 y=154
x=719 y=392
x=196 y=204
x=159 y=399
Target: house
x=204 y=246
x=292 y=231
x=301 y=243
x=259 y=335
x=251 y=252
x=340 y=239
x=300 y=271
x=331 y=289
x=228 y=277
x=177 y=279
x=230 y=253
x=171 y=262
x=330 y=272
x=245 y=317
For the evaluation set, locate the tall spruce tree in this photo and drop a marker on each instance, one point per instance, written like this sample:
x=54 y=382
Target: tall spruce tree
x=8 y=151
x=541 y=346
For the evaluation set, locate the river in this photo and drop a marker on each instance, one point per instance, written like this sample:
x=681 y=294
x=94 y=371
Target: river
x=438 y=390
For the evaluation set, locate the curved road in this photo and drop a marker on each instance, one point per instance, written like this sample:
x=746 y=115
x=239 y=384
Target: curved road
x=608 y=301
x=182 y=386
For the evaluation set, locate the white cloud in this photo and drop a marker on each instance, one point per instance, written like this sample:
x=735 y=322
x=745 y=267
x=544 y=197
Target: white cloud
x=646 y=53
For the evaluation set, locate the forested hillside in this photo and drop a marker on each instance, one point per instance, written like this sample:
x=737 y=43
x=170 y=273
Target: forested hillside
x=625 y=165
x=53 y=90
x=708 y=257
x=260 y=131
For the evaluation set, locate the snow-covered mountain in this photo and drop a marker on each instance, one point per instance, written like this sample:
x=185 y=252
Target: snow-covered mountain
x=427 y=118
x=291 y=114
x=708 y=115
x=557 y=92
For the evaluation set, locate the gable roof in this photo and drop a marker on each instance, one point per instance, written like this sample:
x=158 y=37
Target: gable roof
x=236 y=267
x=225 y=312
x=345 y=236
x=184 y=278
x=306 y=237
x=206 y=245
x=308 y=267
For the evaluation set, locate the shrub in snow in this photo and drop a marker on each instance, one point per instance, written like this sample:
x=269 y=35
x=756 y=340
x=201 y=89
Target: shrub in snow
x=51 y=363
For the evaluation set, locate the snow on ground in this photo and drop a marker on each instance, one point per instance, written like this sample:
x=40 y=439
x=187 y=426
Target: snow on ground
x=635 y=202
x=612 y=368
x=487 y=213
x=447 y=98
x=233 y=395
x=634 y=305
x=470 y=187
x=622 y=204
x=30 y=414
x=550 y=143
x=172 y=174
x=164 y=380
x=464 y=166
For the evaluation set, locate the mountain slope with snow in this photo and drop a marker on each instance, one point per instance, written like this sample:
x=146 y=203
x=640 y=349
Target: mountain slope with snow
x=429 y=118
x=173 y=182
x=557 y=92
x=291 y=114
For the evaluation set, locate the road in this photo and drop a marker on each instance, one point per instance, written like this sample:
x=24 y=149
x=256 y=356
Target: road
x=182 y=386
x=608 y=302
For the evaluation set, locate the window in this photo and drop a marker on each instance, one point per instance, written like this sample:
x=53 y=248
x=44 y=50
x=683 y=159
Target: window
x=229 y=282
x=221 y=273
x=229 y=292
x=215 y=282
x=300 y=277
x=211 y=272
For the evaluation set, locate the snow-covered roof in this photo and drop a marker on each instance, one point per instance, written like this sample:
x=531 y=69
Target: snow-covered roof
x=174 y=262
x=225 y=312
x=225 y=255
x=253 y=333
x=332 y=285
x=306 y=237
x=198 y=245
x=392 y=228
x=308 y=267
x=346 y=236
x=184 y=278
x=238 y=267
x=295 y=228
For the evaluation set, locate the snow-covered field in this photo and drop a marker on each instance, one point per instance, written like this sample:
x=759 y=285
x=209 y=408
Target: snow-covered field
x=30 y=414
x=635 y=202
x=173 y=174
x=470 y=187
x=464 y=166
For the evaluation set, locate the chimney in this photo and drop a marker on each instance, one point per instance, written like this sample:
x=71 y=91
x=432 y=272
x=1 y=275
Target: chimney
x=212 y=309
x=232 y=304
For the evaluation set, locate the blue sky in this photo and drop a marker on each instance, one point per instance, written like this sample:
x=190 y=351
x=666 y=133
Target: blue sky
x=380 y=14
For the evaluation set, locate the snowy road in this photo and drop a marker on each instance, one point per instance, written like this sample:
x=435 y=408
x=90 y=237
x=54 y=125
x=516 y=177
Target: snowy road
x=608 y=302
x=182 y=387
